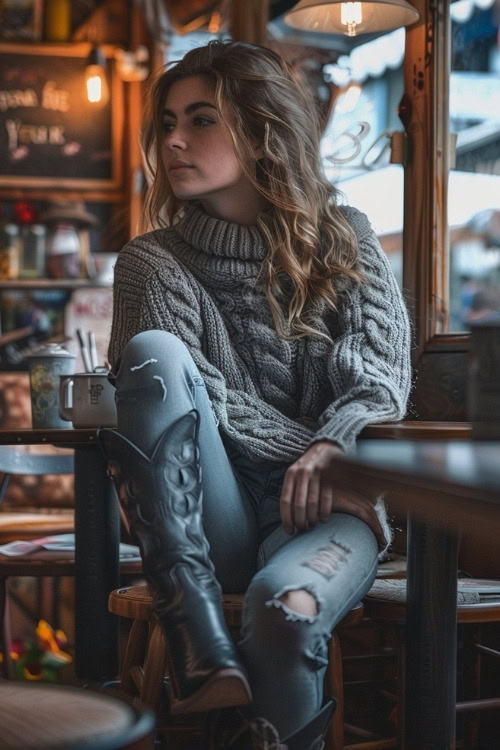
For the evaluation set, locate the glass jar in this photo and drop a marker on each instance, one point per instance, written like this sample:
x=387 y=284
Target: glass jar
x=57 y=20
x=9 y=251
x=63 y=252
x=33 y=251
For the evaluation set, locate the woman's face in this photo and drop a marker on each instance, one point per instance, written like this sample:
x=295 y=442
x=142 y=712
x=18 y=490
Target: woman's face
x=197 y=151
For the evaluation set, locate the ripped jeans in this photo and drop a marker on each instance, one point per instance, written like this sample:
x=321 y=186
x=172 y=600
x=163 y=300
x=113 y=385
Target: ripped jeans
x=285 y=652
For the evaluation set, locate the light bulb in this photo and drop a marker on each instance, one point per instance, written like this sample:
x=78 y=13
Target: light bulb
x=351 y=16
x=94 y=84
x=95 y=78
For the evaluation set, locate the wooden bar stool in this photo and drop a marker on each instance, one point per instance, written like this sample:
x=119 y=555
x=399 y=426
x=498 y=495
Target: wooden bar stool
x=44 y=717
x=145 y=663
x=478 y=602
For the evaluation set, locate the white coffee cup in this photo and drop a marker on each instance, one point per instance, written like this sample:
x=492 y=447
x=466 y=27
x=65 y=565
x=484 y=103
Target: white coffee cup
x=88 y=400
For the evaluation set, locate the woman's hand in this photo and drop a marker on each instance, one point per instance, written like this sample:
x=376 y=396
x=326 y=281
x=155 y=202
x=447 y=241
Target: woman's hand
x=308 y=496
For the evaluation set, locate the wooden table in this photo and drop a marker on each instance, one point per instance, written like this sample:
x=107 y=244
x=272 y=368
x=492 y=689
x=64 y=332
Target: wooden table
x=444 y=485
x=97 y=538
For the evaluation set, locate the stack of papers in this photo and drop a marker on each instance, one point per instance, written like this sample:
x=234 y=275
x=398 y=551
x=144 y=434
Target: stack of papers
x=59 y=543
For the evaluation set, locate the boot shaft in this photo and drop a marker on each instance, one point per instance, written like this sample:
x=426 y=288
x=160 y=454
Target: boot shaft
x=161 y=495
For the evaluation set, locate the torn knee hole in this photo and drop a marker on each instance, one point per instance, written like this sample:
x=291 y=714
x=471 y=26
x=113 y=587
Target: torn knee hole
x=300 y=601
x=299 y=604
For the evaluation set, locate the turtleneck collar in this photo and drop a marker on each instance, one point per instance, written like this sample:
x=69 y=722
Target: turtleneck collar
x=220 y=238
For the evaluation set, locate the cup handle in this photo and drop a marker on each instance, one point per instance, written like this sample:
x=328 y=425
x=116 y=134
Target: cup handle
x=66 y=398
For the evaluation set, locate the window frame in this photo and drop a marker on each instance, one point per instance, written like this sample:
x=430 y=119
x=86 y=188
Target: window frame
x=427 y=68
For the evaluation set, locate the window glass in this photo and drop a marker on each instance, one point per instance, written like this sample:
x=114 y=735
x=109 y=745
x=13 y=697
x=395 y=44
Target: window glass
x=356 y=144
x=180 y=44
x=474 y=183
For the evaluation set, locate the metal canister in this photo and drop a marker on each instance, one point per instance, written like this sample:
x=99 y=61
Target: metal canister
x=46 y=365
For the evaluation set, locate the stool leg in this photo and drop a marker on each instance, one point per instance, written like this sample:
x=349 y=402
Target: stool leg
x=401 y=692
x=154 y=669
x=472 y=667
x=7 y=667
x=334 y=687
x=134 y=654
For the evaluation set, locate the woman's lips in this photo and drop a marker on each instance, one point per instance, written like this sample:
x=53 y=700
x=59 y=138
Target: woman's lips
x=179 y=167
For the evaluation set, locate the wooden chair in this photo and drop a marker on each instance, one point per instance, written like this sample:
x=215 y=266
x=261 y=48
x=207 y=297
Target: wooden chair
x=41 y=565
x=144 y=666
x=42 y=717
x=16 y=525
x=478 y=602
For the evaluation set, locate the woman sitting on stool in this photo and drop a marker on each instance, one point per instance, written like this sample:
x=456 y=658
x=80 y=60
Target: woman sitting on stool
x=256 y=331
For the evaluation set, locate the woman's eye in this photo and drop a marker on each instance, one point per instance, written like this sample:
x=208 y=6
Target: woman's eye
x=167 y=127
x=202 y=122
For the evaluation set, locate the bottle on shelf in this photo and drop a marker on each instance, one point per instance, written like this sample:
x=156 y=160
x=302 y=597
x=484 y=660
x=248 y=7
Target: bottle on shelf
x=33 y=251
x=32 y=241
x=9 y=251
x=57 y=20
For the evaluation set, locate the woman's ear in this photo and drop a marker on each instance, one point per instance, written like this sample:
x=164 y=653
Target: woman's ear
x=258 y=152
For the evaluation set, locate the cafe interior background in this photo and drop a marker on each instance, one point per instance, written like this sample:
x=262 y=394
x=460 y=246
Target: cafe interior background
x=411 y=137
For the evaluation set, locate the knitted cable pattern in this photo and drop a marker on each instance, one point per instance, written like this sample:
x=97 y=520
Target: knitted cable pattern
x=273 y=398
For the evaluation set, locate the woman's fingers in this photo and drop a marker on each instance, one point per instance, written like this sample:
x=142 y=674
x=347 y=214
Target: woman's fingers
x=325 y=503
x=287 y=493
x=300 y=501
x=313 y=500
x=305 y=500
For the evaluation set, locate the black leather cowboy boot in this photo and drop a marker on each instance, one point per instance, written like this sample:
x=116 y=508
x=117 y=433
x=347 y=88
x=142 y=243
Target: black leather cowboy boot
x=231 y=730
x=162 y=497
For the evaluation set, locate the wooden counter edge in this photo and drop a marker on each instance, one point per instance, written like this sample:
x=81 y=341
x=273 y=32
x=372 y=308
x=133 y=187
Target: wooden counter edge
x=389 y=431
x=413 y=430
x=63 y=438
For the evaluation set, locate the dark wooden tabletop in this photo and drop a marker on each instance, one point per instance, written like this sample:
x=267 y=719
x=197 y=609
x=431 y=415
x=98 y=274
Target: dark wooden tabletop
x=391 y=431
x=67 y=438
x=451 y=482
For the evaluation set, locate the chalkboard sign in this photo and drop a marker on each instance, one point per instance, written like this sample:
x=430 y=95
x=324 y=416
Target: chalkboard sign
x=50 y=135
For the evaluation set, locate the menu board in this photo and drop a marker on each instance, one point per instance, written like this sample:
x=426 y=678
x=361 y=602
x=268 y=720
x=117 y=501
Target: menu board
x=50 y=134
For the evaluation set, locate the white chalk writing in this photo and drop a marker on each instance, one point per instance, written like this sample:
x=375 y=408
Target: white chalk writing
x=20 y=134
x=17 y=98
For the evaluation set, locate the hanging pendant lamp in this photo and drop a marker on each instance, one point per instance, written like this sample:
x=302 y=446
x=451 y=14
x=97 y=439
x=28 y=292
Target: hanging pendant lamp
x=351 y=18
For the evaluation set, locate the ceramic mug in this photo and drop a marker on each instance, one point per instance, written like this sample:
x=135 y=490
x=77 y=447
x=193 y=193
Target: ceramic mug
x=47 y=365
x=88 y=400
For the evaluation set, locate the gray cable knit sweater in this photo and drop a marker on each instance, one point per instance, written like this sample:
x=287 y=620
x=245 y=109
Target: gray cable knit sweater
x=273 y=398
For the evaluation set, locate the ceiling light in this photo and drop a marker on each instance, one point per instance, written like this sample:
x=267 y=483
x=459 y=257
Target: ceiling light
x=351 y=18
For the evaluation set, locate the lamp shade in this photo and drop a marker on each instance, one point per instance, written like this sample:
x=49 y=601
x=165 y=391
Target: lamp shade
x=351 y=18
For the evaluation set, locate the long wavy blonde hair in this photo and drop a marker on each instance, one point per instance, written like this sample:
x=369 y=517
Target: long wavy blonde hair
x=311 y=245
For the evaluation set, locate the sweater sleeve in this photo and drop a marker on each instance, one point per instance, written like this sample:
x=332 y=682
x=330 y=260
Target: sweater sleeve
x=369 y=366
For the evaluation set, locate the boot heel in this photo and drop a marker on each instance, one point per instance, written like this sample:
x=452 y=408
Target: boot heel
x=225 y=688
